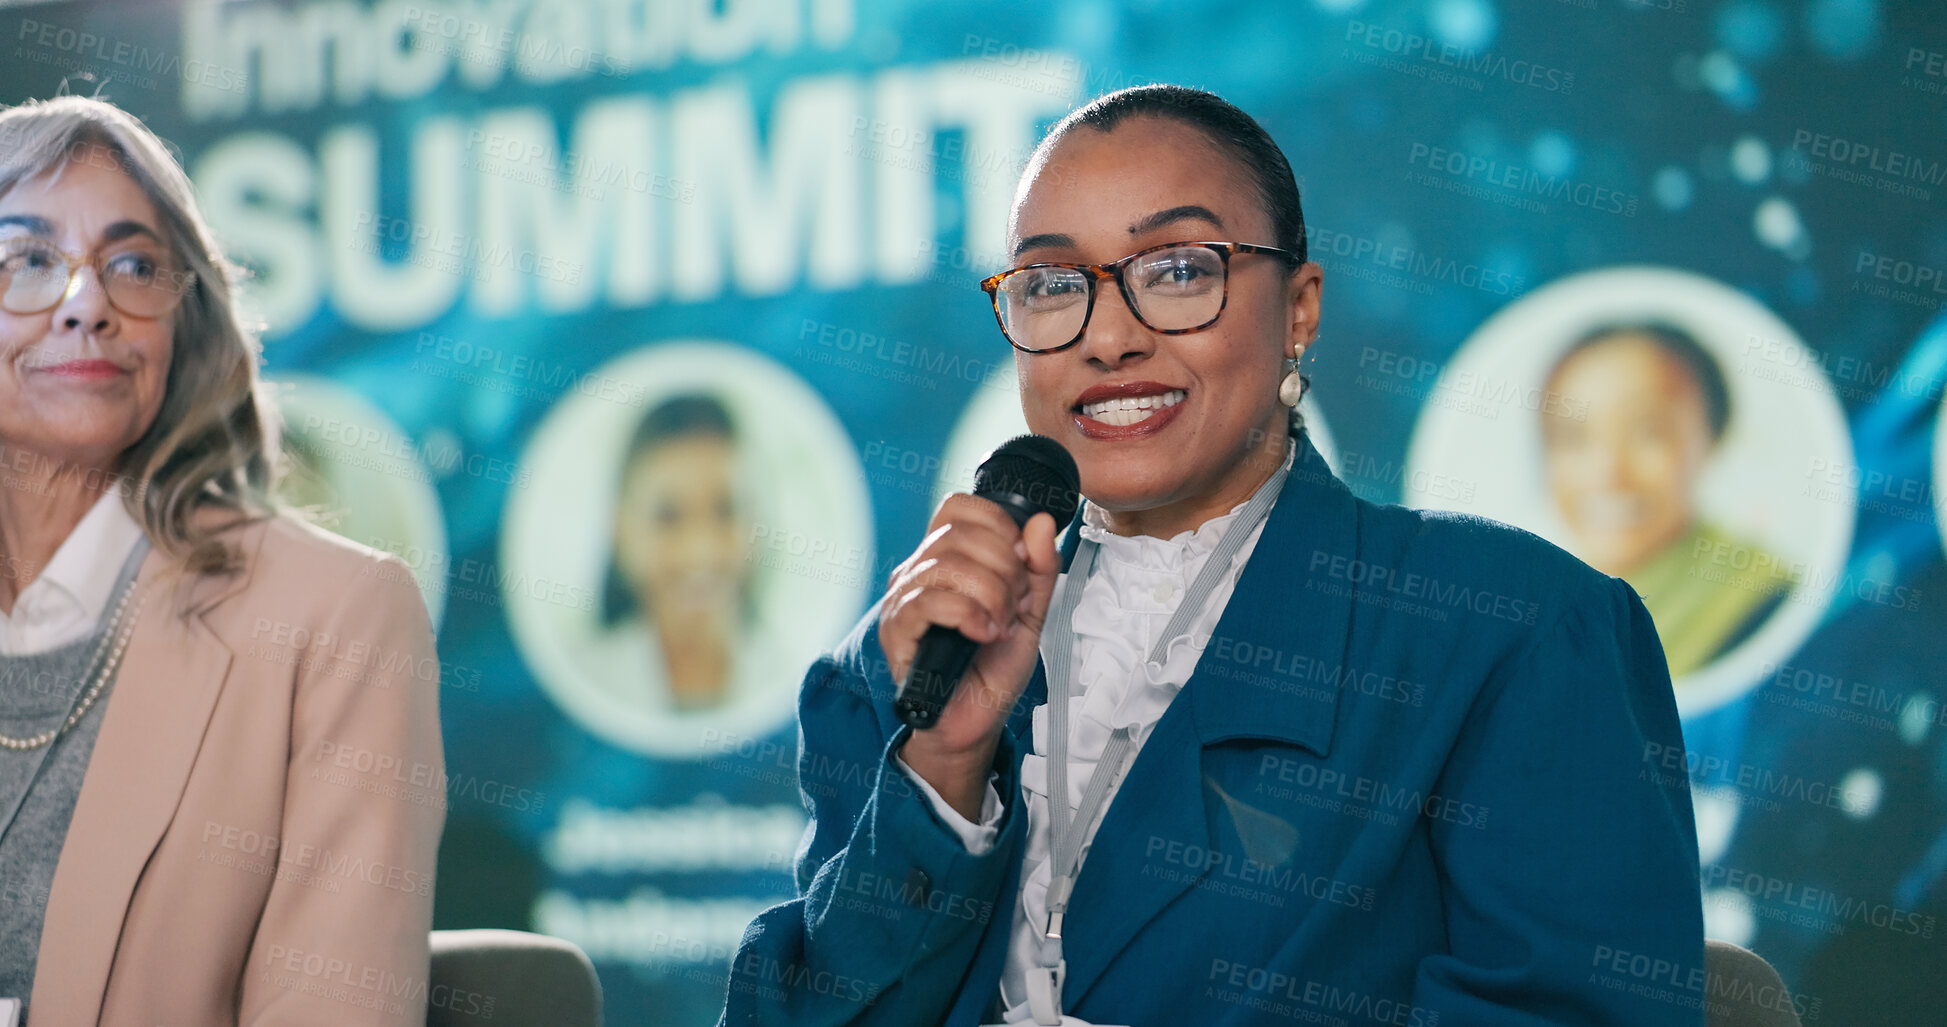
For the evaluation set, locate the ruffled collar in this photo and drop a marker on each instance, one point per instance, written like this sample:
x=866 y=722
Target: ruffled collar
x=1164 y=554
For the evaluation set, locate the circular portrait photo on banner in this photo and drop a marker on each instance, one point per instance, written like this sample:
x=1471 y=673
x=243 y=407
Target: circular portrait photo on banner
x=1669 y=430
x=359 y=474
x=993 y=415
x=703 y=531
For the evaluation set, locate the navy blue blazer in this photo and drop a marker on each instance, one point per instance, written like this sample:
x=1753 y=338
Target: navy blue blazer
x=1428 y=772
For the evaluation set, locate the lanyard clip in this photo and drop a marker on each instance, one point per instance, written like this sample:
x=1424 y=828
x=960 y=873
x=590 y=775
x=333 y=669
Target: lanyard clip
x=1044 y=989
x=1046 y=980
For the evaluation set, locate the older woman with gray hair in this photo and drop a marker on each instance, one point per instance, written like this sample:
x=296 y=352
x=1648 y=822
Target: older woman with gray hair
x=221 y=782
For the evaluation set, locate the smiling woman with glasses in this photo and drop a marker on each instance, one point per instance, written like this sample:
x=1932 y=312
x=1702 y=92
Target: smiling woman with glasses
x=1243 y=748
x=185 y=666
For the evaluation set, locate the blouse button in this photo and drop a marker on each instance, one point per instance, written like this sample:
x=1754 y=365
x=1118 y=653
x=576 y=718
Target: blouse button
x=1164 y=591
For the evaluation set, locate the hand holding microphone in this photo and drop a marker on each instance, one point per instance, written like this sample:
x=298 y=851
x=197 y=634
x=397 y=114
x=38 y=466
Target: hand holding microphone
x=961 y=622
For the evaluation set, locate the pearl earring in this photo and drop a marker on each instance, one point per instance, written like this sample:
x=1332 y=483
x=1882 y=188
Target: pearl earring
x=1292 y=389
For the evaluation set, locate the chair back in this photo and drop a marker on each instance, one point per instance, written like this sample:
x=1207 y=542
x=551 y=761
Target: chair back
x=491 y=978
x=1742 y=990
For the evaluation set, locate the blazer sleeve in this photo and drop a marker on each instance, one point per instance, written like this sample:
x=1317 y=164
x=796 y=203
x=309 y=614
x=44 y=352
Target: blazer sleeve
x=1576 y=900
x=364 y=804
x=891 y=907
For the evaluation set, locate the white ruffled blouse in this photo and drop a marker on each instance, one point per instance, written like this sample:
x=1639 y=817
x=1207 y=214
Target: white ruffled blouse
x=1125 y=604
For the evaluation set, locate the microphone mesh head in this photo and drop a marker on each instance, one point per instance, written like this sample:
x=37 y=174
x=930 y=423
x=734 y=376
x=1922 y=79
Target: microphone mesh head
x=1038 y=470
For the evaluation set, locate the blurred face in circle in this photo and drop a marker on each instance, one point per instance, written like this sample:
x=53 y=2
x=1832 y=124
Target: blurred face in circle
x=1624 y=476
x=680 y=545
x=83 y=380
x=1206 y=426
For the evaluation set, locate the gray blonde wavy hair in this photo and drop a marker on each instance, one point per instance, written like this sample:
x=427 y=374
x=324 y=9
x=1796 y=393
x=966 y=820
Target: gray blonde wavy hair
x=215 y=439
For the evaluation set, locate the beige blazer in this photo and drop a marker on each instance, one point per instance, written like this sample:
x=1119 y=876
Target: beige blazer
x=255 y=836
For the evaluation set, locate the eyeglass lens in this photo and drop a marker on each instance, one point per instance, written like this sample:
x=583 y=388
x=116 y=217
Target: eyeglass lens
x=1174 y=289
x=34 y=276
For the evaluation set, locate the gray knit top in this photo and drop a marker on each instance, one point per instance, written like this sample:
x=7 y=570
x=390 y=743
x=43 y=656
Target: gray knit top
x=37 y=692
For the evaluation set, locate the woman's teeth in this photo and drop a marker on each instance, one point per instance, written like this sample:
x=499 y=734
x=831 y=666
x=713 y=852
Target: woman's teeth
x=1120 y=413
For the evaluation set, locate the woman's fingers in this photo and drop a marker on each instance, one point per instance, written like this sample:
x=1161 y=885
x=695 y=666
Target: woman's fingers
x=973 y=553
x=968 y=564
x=1043 y=568
x=957 y=595
x=922 y=608
x=979 y=530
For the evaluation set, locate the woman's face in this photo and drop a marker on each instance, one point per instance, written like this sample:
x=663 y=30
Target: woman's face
x=81 y=382
x=1100 y=197
x=1624 y=477
x=679 y=539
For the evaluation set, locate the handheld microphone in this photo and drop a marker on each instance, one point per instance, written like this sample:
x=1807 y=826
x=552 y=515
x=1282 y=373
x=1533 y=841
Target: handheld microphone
x=1026 y=475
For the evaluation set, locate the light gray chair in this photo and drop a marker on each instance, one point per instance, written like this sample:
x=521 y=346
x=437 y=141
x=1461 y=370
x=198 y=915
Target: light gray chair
x=489 y=978
x=1743 y=990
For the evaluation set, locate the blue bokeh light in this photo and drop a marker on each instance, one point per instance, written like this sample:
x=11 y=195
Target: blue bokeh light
x=1843 y=30
x=1753 y=31
x=1552 y=154
x=1672 y=187
x=1467 y=24
x=1727 y=78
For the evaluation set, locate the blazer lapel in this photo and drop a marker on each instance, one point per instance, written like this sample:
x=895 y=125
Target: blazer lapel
x=1122 y=884
x=1283 y=604
x=152 y=728
x=1289 y=616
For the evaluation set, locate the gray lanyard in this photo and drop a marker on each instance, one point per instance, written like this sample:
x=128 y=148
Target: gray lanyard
x=1065 y=849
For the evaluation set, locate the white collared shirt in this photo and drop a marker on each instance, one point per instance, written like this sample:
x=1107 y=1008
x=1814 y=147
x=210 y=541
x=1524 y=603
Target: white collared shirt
x=67 y=598
x=1125 y=604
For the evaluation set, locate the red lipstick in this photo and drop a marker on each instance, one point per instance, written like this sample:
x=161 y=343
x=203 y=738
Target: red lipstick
x=86 y=370
x=1103 y=432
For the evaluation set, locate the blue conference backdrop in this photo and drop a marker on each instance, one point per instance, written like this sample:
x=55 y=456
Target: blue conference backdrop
x=647 y=334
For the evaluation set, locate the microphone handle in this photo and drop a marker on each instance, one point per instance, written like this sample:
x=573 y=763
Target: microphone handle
x=944 y=654
x=942 y=657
